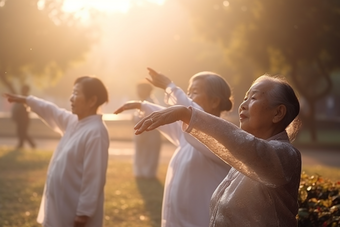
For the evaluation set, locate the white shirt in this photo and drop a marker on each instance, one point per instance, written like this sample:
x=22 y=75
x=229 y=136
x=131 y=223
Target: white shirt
x=193 y=172
x=262 y=187
x=77 y=171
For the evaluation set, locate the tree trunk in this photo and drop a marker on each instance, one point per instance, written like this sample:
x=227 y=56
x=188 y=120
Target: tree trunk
x=312 y=120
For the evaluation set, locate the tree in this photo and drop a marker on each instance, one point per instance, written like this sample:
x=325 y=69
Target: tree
x=297 y=38
x=39 y=41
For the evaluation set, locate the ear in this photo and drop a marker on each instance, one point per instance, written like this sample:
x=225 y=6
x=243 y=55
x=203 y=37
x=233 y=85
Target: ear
x=280 y=113
x=92 y=101
x=215 y=102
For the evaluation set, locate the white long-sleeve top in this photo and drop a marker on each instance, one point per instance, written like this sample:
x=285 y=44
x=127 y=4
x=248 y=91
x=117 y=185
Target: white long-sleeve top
x=193 y=172
x=262 y=187
x=77 y=171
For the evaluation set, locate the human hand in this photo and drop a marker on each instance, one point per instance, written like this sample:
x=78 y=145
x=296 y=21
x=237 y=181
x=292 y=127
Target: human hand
x=128 y=106
x=80 y=221
x=15 y=98
x=158 y=79
x=163 y=117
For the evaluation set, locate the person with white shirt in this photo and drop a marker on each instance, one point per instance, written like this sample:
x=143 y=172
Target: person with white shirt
x=74 y=188
x=193 y=172
x=262 y=186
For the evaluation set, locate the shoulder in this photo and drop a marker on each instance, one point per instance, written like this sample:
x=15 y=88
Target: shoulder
x=96 y=127
x=285 y=150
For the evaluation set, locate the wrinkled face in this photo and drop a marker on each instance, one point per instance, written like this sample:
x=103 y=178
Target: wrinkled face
x=197 y=92
x=79 y=104
x=256 y=115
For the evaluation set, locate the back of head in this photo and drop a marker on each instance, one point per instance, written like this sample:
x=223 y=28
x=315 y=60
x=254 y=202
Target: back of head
x=144 y=89
x=92 y=86
x=216 y=86
x=283 y=94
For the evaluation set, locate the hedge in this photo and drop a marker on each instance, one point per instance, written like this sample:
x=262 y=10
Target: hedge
x=319 y=202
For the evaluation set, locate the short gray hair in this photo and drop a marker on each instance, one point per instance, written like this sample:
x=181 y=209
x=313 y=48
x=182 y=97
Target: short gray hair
x=216 y=86
x=283 y=94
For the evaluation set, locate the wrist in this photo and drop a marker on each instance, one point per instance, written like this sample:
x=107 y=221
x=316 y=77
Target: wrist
x=186 y=114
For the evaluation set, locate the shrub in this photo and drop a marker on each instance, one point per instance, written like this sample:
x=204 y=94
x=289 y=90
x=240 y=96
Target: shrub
x=319 y=202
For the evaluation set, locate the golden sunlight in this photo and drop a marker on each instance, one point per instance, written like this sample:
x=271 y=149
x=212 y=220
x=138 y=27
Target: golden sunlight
x=122 y=6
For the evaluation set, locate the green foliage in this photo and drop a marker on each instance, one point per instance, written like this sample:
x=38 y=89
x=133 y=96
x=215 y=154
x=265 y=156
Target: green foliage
x=271 y=34
x=296 y=38
x=40 y=43
x=319 y=202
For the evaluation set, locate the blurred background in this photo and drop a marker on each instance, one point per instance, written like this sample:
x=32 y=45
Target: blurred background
x=48 y=43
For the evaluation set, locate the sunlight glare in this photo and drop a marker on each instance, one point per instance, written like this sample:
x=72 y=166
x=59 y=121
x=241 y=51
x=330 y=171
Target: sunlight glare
x=2 y=3
x=122 y=6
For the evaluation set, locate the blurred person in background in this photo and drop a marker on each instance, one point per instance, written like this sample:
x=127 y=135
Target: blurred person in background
x=193 y=172
x=20 y=115
x=148 y=145
x=74 y=188
x=262 y=187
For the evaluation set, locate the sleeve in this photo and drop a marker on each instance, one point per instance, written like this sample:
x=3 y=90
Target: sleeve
x=176 y=96
x=272 y=163
x=94 y=174
x=172 y=132
x=51 y=114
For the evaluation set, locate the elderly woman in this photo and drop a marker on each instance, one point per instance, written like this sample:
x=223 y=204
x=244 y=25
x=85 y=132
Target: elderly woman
x=74 y=189
x=261 y=189
x=193 y=172
x=148 y=145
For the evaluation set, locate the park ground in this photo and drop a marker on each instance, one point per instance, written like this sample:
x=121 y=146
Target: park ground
x=128 y=201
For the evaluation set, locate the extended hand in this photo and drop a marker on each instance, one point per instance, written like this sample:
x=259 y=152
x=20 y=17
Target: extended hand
x=128 y=106
x=15 y=98
x=80 y=221
x=163 y=117
x=158 y=79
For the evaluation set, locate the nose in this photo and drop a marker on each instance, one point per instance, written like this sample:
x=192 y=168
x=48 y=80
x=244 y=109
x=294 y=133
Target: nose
x=71 y=98
x=242 y=106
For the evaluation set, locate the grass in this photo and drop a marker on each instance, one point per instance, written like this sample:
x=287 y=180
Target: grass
x=129 y=202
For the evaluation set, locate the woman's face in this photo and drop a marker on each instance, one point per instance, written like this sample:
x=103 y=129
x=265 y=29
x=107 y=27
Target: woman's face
x=79 y=104
x=255 y=113
x=197 y=92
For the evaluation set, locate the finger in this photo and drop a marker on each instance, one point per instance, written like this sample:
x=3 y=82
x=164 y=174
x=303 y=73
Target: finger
x=143 y=126
x=152 y=71
x=117 y=111
x=139 y=124
x=150 y=81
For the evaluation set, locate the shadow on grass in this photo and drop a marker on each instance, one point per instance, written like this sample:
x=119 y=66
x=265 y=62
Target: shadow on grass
x=151 y=190
x=18 y=159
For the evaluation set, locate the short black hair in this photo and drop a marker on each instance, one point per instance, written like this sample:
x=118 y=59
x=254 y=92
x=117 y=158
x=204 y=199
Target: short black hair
x=92 y=86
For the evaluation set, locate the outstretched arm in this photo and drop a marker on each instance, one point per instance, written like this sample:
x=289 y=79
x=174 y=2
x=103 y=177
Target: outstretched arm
x=163 y=117
x=15 y=98
x=53 y=116
x=158 y=79
x=171 y=131
x=173 y=95
x=131 y=105
x=271 y=162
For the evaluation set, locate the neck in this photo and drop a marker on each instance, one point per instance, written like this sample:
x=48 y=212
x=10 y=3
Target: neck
x=270 y=133
x=216 y=113
x=87 y=114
